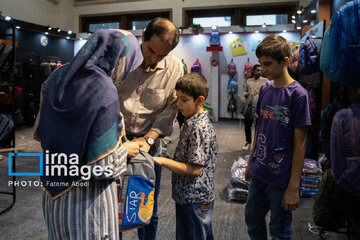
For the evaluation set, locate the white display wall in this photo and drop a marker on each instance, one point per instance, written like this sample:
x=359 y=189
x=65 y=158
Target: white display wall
x=193 y=47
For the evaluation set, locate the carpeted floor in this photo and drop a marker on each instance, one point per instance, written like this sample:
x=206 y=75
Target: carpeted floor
x=25 y=220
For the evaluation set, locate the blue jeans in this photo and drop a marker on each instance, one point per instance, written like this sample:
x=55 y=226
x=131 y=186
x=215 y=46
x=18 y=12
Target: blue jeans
x=193 y=221
x=261 y=199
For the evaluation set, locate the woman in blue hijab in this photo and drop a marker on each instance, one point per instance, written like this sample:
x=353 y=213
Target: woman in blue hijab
x=80 y=130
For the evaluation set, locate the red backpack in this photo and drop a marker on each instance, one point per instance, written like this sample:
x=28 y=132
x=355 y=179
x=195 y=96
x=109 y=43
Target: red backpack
x=248 y=69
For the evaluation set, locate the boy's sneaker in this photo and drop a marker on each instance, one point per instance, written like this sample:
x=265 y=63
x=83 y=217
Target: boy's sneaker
x=246 y=147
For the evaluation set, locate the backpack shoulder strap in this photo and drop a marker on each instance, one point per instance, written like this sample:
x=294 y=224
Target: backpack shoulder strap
x=352 y=131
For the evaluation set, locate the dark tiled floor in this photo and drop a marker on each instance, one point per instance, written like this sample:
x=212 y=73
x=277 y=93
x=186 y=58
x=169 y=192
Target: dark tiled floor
x=25 y=220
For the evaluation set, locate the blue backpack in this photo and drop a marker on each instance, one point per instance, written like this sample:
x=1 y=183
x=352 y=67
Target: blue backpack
x=345 y=44
x=232 y=86
x=325 y=55
x=136 y=198
x=308 y=57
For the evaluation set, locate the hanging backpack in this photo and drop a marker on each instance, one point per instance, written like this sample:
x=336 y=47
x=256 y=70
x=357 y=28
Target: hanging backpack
x=232 y=86
x=294 y=60
x=345 y=44
x=325 y=55
x=248 y=70
x=325 y=125
x=308 y=57
x=196 y=67
x=232 y=69
x=136 y=199
x=345 y=149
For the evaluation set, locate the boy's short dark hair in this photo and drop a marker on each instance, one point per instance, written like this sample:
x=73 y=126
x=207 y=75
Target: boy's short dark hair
x=193 y=84
x=274 y=46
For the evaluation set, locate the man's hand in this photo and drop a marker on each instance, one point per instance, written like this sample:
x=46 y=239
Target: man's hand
x=132 y=148
x=142 y=143
x=290 y=199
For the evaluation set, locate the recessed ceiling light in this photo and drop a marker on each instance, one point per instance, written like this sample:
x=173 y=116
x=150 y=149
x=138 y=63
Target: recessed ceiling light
x=256 y=31
x=299 y=11
x=17 y=27
x=293 y=17
x=69 y=32
x=46 y=33
x=67 y=37
x=293 y=21
x=230 y=32
x=313 y=11
x=298 y=28
x=284 y=30
x=7 y=18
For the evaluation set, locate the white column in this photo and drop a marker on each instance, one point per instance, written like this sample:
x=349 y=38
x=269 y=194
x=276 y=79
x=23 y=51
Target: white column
x=214 y=91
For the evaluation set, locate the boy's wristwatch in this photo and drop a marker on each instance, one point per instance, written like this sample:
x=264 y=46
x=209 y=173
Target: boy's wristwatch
x=149 y=140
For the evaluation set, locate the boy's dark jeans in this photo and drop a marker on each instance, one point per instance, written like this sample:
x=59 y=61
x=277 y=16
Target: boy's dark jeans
x=261 y=199
x=193 y=221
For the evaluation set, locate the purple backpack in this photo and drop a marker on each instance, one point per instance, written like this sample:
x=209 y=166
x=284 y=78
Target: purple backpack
x=345 y=149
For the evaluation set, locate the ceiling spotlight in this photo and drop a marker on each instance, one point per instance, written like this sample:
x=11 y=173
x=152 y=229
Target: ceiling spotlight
x=264 y=25
x=305 y=21
x=67 y=37
x=59 y=30
x=89 y=34
x=256 y=31
x=69 y=32
x=49 y=28
x=17 y=27
x=7 y=18
x=293 y=21
x=293 y=16
x=284 y=31
x=298 y=28
x=46 y=33
x=313 y=11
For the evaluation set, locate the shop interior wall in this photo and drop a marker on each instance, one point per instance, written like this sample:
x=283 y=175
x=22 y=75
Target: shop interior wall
x=40 y=12
x=193 y=47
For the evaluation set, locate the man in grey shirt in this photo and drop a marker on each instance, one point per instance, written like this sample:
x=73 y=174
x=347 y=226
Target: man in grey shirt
x=148 y=98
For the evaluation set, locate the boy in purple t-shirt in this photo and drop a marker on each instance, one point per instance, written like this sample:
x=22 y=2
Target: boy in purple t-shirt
x=277 y=159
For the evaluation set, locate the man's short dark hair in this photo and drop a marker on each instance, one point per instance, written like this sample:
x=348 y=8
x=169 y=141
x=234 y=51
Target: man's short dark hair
x=193 y=84
x=273 y=46
x=164 y=29
x=256 y=66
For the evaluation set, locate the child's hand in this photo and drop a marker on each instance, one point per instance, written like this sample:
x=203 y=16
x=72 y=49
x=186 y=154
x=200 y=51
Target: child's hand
x=159 y=160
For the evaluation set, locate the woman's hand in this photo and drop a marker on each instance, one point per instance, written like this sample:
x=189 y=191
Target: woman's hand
x=132 y=148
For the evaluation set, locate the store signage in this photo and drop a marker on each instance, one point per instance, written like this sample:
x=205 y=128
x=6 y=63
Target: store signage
x=237 y=47
x=44 y=41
